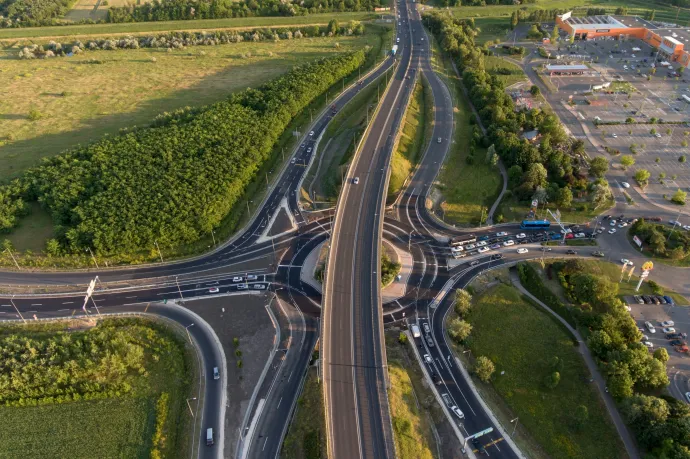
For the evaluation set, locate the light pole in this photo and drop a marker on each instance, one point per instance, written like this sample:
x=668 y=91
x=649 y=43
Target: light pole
x=248 y=211
x=179 y=290
x=188 y=335
x=214 y=238
x=13 y=259
x=515 y=426
x=17 y=309
x=94 y=258
x=159 y=250
x=190 y=406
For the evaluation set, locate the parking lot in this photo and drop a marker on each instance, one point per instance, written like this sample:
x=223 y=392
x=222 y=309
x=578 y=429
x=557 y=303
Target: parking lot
x=679 y=363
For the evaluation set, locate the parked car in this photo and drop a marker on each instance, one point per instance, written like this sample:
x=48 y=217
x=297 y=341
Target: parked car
x=213 y=290
x=646 y=299
x=677 y=342
x=242 y=286
x=669 y=330
x=648 y=344
x=650 y=327
x=426 y=327
x=668 y=299
x=520 y=236
x=639 y=299
x=252 y=277
x=483 y=249
x=612 y=231
x=237 y=279
x=626 y=262
x=661 y=299
x=501 y=234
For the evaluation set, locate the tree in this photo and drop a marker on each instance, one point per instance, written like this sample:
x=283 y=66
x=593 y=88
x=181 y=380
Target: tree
x=333 y=27
x=514 y=176
x=598 y=166
x=619 y=381
x=52 y=248
x=564 y=198
x=642 y=177
x=536 y=175
x=402 y=338
x=462 y=302
x=679 y=197
x=627 y=161
x=554 y=34
x=552 y=380
x=484 y=368
x=661 y=354
x=682 y=159
x=490 y=152
x=534 y=90
x=652 y=131
x=678 y=253
x=513 y=20
x=651 y=15
x=459 y=330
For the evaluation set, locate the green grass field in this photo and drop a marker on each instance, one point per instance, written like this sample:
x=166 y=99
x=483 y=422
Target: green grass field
x=512 y=211
x=129 y=89
x=165 y=26
x=411 y=429
x=416 y=133
x=113 y=428
x=494 y=63
x=491 y=29
x=466 y=198
x=521 y=340
x=306 y=437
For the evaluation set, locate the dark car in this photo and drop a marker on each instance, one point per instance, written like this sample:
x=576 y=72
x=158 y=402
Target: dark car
x=638 y=299
x=497 y=256
x=483 y=238
x=646 y=299
x=571 y=252
x=678 y=342
x=661 y=299
x=478 y=446
x=655 y=300
x=668 y=299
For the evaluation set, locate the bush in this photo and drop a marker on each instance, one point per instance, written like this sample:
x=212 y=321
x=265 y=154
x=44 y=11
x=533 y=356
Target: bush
x=35 y=115
x=529 y=278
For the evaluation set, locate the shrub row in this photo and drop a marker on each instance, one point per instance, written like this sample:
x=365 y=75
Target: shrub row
x=529 y=278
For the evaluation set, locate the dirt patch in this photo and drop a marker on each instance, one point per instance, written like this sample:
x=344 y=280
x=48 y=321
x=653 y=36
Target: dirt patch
x=246 y=319
x=281 y=224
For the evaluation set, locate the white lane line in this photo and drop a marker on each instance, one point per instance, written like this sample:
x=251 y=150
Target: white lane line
x=129 y=297
x=279 y=402
x=6 y=305
x=265 y=441
x=60 y=310
x=36 y=304
x=68 y=302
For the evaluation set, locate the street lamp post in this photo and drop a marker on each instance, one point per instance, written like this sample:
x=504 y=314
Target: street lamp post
x=515 y=426
x=190 y=406
x=214 y=238
x=188 y=334
x=13 y=259
x=17 y=309
x=179 y=290
x=160 y=254
x=94 y=258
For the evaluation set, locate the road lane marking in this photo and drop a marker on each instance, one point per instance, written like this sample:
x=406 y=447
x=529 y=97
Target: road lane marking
x=36 y=304
x=265 y=441
x=279 y=401
x=60 y=310
x=68 y=302
x=147 y=307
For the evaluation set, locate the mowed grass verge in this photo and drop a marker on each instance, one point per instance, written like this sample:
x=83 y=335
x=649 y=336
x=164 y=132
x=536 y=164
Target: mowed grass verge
x=166 y=26
x=522 y=340
x=106 y=428
x=306 y=437
x=468 y=189
x=79 y=102
x=415 y=136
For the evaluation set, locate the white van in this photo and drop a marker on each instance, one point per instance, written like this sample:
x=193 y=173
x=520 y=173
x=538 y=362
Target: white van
x=209 y=437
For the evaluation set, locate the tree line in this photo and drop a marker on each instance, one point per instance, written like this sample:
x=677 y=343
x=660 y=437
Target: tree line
x=661 y=423
x=172 y=182
x=173 y=10
x=663 y=241
x=549 y=171
x=29 y=13
x=105 y=361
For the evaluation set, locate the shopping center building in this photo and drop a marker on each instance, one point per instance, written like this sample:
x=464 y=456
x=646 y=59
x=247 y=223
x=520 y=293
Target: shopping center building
x=669 y=41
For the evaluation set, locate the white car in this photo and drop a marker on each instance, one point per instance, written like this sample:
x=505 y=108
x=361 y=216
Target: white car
x=470 y=247
x=439 y=140
x=521 y=236
x=427 y=359
x=668 y=323
x=309 y=150
x=648 y=344
x=686 y=227
x=645 y=338
x=481 y=243
x=580 y=235
x=669 y=330
x=522 y=250
x=242 y=286
x=252 y=277
x=625 y=184
x=213 y=290
x=457 y=412
x=483 y=249
x=311 y=134
x=259 y=287
x=657 y=135
x=237 y=279
x=508 y=243
x=457 y=249
x=614 y=135
x=501 y=234
x=623 y=225
x=612 y=230
x=650 y=327
x=613 y=223
x=626 y=262
x=355 y=180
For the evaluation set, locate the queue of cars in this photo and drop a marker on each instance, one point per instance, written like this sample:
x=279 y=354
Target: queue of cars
x=242 y=283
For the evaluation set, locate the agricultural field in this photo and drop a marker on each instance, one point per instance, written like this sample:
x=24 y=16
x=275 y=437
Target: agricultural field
x=84 y=97
x=136 y=410
x=167 y=26
x=565 y=421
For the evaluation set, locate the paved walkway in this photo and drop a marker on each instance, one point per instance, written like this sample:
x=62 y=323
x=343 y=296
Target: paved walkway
x=622 y=429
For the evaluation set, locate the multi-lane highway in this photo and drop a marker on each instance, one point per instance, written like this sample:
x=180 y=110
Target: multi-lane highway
x=357 y=413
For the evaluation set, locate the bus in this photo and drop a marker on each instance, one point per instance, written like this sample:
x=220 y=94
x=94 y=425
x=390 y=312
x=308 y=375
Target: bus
x=535 y=224
x=459 y=241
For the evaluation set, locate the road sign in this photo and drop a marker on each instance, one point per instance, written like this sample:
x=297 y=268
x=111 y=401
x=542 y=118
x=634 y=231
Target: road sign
x=637 y=241
x=648 y=266
x=480 y=433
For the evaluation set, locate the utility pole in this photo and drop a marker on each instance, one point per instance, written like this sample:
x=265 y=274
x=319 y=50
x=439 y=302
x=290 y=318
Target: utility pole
x=515 y=426
x=94 y=258
x=190 y=406
x=188 y=335
x=178 y=288
x=214 y=238
x=13 y=259
x=159 y=250
x=17 y=309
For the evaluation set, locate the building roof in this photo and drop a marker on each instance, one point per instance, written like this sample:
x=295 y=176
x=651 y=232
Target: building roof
x=595 y=22
x=673 y=40
x=566 y=67
x=530 y=135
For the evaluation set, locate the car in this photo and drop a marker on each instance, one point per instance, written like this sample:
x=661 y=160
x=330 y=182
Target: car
x=508 y=243
x=645 y=338
x=597 y=253
x=497 y=256
x=216 y=373
x=668 y=299
x=311 y=134
x=686 y=227
x=457 y=412
x=661 y=299
x=580 y=235
x=293 y=160
x=457 y=249
x=481 y=243
x=501 y=234
x=483 y=249
x=612 y=231
x=646 y=299
x=479 y=447
x=687 y=396
x=438 y=140
x=571 y=252
x=259 y=287
x=522 y=250
x=435 y=378
x=614 y=135
x=669 y=330
x=622 y=225
x=426 y=327
x=569 y=236
x=650 y=327
x=677 y=342
x=673 y=222
x=612 y=223
x=483 y=238
x=252 y=277
x=654 y=300
x=355 y=180
x=213 y=290
x=625 y=184
x=309 y=150
x=626 y=262
x=427 y=359
x=242 y=286
x=237 y=279
x=566 y=231
x=657 y=135
x=649 y=344
x=495 y=246
x=470 y=247
x=639 y=299
x=474 y=263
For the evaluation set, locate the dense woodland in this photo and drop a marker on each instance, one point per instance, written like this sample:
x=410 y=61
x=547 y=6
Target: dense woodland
x=171 y=10
x=32 y=12
x=171 y=182
x=549 y=170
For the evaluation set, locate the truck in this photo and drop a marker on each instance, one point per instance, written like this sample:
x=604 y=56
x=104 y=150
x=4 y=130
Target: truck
x=209 y=436
x=415 y=331
x=394 y=50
